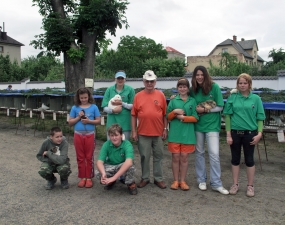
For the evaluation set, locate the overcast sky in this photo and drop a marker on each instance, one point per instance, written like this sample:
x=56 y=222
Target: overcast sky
x=192 y=27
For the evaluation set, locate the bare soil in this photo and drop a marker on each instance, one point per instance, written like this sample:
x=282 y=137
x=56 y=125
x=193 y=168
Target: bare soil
x=24 y=200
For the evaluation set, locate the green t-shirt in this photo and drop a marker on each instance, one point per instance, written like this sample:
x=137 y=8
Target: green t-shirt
x=181 y=132
x=244 y=111
x=210 y=122
x=124 y=117
x=113 y=155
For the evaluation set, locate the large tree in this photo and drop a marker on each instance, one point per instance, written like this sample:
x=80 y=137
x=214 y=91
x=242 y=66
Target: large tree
x=76 y=28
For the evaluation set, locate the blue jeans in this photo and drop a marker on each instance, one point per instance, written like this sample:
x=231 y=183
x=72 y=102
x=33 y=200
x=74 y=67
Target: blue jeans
x=212 y=139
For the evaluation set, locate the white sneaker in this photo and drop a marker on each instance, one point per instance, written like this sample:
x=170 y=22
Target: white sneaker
x=203 y=186
x=222 y=190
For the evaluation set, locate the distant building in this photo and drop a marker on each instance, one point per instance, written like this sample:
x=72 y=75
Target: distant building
x=9 y=46
x=246 y=51
x=173 y=53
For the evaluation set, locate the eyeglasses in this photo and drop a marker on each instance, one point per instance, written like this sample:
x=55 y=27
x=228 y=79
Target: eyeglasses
x=149 y=81
x=120 y=78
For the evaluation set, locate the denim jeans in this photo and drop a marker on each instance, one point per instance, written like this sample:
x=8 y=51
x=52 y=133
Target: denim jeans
x=212 y=139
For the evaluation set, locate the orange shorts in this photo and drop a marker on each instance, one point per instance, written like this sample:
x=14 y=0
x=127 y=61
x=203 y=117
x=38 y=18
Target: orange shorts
x=180 y=148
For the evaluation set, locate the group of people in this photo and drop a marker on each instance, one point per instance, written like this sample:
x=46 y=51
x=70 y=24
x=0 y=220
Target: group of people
x=193 y=118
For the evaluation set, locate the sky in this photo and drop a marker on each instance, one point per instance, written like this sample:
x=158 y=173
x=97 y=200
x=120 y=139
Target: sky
x=193 y=28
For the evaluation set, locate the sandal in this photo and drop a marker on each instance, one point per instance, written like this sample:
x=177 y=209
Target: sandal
x=184 y=186
x=174 y=185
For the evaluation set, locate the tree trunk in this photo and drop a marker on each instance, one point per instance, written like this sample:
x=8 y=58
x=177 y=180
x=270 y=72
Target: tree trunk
x=75 y=74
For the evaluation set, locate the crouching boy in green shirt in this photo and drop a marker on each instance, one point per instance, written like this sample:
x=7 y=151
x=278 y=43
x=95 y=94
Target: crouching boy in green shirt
x=53 y=155
x=116 y=159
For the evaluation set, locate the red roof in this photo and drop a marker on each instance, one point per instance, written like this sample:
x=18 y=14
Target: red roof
x=170 y=49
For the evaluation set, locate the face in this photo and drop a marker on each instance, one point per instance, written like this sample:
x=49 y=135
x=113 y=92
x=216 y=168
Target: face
x=83 y=98
x=199 y=77
x=56 y=138
x=183 y=89
x=120 y=81
x=243 y=85
x=149 y=84
x=116 y=138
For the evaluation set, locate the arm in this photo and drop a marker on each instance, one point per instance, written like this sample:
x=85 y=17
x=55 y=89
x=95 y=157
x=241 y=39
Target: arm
x=228 y=129
x=165 y=122
x=96 y=121
x=257 y=138
x=187 y=119
x=134 y=128
x=126 y=165
x=40 y=156
x=127 y=106
x=100 y=167
x=216 y=109
x=74 y=120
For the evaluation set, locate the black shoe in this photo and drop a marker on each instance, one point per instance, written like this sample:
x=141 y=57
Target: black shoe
x=50 y=184
x=109 y=186
x=64 y=183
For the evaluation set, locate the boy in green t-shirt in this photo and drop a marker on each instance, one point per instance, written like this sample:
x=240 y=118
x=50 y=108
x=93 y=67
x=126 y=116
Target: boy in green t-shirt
x=116 y=159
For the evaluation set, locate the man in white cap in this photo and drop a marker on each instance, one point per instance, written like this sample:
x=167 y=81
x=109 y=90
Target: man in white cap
x=149 y=108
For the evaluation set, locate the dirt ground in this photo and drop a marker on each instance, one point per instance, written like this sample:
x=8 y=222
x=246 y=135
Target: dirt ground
x=24 y=200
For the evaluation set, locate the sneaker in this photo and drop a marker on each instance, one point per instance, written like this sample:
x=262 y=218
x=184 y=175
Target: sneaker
x=250 y=191
x=174 y=185
x=203 y=186
x=222 y=190
x=184 y=186
x=234 y=189
x=50 y=184
x=132 y=188
x=81 y=183
x=89 y=183
x=64 y=183
x=109 y=186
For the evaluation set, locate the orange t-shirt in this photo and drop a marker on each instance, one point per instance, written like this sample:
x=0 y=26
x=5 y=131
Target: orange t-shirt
x=150 y=109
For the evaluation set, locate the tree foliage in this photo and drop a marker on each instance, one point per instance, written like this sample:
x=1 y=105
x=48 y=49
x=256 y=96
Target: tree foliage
x=42 y=68
x=10 y=71
x=135 y=56
x=76 y=29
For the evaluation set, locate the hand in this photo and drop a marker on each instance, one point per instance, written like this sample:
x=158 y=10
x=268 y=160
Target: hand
x=85 y=121
x=200 y=109
x=135 y=135
x=164 y=134
x=180 y=117
x=116 y=102
x=255 y=139
x=44 y=153
x=172 y=97
x=179 y=111
x=229 y=140
x=109 y=180
x=117 y=109
x=81 y=113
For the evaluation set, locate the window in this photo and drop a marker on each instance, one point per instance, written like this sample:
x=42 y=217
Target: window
x=1 y=49
x=224 y=50
x=254 y=54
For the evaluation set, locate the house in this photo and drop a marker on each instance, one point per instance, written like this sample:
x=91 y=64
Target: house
x=246 y=51
x=9 y=46
x=173 y=53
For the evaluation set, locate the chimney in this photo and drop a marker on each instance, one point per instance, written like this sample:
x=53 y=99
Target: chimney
x=3 y=34
x=235 y=39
